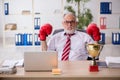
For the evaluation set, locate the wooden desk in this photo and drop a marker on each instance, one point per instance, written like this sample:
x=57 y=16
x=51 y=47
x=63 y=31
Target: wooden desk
x=75 y=70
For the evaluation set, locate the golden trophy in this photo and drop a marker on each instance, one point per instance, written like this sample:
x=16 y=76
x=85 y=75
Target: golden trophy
x=94 y=51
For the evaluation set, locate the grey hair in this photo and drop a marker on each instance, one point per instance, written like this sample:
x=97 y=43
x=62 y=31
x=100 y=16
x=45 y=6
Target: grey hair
x=71 y=13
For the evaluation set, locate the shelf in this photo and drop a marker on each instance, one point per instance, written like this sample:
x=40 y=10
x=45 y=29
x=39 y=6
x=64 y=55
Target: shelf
x=18 y=14
x=110 y=30
x=24 y=16
x=19 y=31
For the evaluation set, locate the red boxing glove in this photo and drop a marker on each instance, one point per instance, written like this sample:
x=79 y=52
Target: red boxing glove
x=93 y=31
x=45 y=30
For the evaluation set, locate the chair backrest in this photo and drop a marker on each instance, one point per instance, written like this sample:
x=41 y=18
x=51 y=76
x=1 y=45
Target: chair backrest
x=60 y=30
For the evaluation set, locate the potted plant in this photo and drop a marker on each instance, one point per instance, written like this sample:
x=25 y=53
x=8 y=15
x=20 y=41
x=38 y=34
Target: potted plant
x=84 y=15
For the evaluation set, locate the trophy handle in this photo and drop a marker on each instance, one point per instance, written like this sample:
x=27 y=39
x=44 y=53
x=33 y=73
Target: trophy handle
x=101 y=47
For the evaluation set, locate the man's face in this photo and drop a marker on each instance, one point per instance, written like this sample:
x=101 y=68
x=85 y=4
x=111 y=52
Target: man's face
x=69 y=23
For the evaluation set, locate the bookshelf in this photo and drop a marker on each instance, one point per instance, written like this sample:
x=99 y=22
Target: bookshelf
x=109 y=20
x=28 y=16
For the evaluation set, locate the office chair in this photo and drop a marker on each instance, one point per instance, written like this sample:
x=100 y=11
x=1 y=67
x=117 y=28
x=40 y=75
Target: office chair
x=60 y=30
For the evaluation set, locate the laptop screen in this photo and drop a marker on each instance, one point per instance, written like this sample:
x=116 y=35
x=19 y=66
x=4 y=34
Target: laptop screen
x=40 y=61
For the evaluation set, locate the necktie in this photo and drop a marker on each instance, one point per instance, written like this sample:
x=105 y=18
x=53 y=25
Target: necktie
x=66 y=49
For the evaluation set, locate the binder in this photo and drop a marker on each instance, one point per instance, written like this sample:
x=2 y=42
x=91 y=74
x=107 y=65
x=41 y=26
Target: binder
x=29 y=39
x=115 y=38
x=102 y=40
x=103 y=22
x=36 y=39
x=105 y=7
x=37 y=23
x=119 y=22
x=20 y=39
x=16 y=39
x=6 y=8
x=25 y=39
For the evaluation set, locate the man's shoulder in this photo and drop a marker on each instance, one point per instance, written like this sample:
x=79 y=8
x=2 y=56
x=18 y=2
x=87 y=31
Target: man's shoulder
x=58 y=34
x=81 y=33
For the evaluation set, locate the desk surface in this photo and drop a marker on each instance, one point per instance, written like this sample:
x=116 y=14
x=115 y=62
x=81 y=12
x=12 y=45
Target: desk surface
x=70 y=70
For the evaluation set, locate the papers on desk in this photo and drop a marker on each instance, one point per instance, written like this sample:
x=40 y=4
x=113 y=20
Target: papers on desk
x=9 y=66
x=113 y=62
x=20 y=63
x=7 y=63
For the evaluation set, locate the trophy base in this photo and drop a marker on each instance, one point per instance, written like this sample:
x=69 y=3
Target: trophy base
x=93 y=68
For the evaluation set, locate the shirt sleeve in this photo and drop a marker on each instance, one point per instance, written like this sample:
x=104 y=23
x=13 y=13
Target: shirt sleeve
x=51 y=44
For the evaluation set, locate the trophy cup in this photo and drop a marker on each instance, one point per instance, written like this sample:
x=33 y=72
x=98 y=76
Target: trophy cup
x=94 y=50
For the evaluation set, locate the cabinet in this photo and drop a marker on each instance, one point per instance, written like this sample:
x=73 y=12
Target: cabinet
x=109 y=14
x=25 y=17
x=109 y=19
x=112 y=23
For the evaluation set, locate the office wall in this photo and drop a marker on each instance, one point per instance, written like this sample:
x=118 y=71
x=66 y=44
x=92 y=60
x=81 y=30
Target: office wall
x=1 y=29
x=112 y=21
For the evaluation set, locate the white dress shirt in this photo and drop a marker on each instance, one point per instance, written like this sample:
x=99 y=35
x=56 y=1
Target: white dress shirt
x=78 y=42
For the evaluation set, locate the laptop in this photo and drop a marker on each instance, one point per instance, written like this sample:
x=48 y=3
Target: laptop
x=40 y=61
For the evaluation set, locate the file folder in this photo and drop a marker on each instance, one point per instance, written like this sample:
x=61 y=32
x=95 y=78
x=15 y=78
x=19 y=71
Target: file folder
x=18 y=39
x=103 y=22
x=6 y=8
x=36 y=38
x=115 y=38
x=37 y=23
x=25 y=39
x=29 y=39
x=105 y=7
x=102 y=40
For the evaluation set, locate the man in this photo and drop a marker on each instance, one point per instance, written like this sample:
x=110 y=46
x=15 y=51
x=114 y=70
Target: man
x=76 y=40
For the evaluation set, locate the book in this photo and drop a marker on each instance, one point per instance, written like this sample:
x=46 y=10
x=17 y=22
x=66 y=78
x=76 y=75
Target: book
x=113 y=62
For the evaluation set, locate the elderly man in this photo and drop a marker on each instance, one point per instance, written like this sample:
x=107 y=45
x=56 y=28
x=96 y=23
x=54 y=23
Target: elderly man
x=70 y=44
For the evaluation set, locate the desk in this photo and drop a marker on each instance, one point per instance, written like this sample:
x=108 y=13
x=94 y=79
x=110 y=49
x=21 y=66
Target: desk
x=75 y=70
